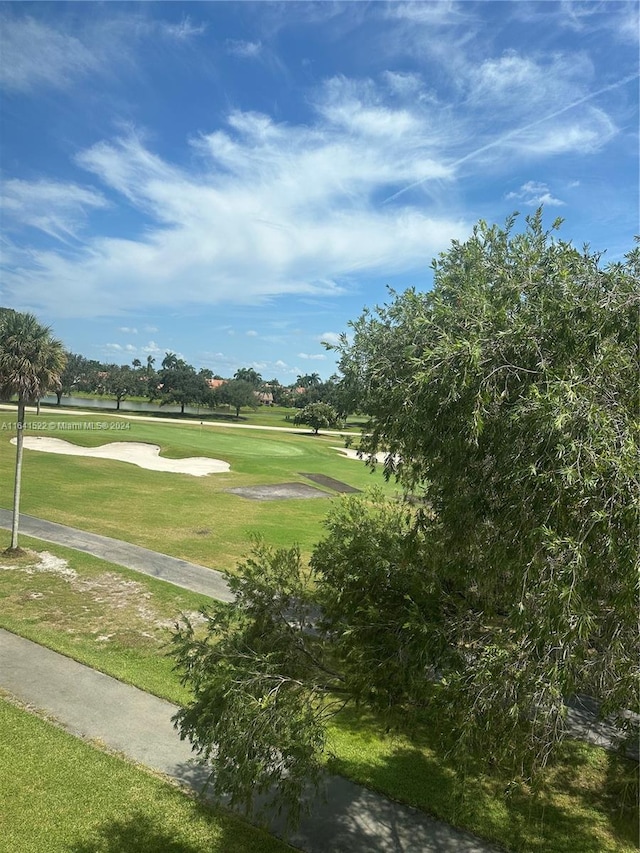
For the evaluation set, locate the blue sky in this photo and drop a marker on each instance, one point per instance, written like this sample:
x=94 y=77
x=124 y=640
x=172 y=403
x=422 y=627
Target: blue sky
x=235 y=181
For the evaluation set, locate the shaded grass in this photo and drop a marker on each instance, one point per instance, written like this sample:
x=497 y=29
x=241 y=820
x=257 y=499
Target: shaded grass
x=61 y=795
x=585 y=800
x=170 y=512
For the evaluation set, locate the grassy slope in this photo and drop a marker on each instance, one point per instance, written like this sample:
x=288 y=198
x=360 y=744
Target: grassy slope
x=60 y=795
x=193 y=518
x=578 y=806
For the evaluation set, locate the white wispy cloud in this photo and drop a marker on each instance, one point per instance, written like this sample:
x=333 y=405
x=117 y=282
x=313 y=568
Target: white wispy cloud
x=244 y=49
x=534 y=194
x=38 y=52
x=313 y=356
x=442 y=14
x=34 y=53
x=186 y=29
x=332 y=338
x=128 y=349
x=126 y=330
x=264 y=208
x=620 y=19
x=271 y=209
x=57 y=209
x=524 y=83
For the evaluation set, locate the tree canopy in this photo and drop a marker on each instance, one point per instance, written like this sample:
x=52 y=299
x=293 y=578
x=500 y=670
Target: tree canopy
x=248 y=374
x=506 y=401
x=238 y=393
x=318 y=416
x=178 y=383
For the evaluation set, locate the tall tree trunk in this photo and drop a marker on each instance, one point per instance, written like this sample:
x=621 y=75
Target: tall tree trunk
x=16 y=488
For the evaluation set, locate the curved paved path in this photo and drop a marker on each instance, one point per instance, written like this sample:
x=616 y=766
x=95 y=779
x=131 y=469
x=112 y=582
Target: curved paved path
x=179 y=572
x=351 y=819
x=583 y=720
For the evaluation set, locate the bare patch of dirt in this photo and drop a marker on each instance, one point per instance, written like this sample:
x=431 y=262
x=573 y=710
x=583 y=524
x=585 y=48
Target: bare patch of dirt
x=121 y=601
x=278 y=492
x=194 y=616
x=14 y=553
x=42 y=562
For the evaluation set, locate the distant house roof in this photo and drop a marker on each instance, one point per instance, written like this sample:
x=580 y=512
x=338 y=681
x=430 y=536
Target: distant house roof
x=216 y=383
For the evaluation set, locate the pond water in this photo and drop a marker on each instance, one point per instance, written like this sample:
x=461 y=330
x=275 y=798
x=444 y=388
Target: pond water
x=125 y=405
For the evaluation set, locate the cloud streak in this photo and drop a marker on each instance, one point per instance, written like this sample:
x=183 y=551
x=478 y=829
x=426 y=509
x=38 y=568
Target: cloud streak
x=268 y=209
x=584 y=136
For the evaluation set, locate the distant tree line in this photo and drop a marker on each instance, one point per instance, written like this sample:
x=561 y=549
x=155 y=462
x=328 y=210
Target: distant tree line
x=175 y=382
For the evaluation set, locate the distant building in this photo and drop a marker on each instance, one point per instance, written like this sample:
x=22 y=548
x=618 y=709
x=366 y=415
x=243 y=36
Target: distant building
x=265 y=397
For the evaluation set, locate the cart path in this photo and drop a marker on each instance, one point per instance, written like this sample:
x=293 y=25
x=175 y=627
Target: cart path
x=190 y=576
x=89 y=704
x=582 y=721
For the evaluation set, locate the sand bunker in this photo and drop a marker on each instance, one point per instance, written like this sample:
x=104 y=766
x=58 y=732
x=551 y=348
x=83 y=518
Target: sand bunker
x=350 y=453
x=135 y=452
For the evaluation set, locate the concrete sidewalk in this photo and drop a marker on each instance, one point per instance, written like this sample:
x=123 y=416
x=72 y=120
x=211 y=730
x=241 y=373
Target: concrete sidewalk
x=351 y=819
x=179 y=572
x=582 y=720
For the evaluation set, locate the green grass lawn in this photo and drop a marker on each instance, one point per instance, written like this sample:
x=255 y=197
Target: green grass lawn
x=61 y=795
x=119 y=622
x=193 y=518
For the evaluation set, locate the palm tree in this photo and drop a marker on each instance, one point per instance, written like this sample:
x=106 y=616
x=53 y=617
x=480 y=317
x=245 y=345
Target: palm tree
x=170 y=361
x=31 y=362
x=248 y=374
x=309 y=380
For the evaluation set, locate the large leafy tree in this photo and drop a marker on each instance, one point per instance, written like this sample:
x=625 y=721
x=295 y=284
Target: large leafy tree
x=120 y=382
x=506 y=402
x=31 y=361
x=318 y=416
x=178 y=383
x=79 y=374
x=238 y=393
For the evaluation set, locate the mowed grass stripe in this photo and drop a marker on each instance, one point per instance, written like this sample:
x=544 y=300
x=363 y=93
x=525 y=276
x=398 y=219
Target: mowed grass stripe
x=61 y=795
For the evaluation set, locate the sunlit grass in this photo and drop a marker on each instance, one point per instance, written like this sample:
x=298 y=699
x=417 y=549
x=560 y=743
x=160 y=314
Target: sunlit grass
x=60 y=795
x=194 y=518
